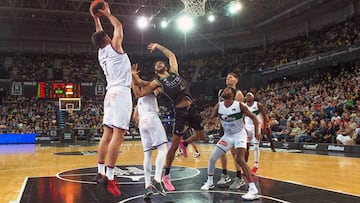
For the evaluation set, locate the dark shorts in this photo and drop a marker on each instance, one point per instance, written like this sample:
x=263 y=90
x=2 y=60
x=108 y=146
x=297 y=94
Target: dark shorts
x=187 y=116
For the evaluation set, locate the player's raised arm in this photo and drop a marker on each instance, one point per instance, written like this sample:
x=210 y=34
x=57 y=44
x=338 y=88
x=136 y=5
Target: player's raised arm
x=136 y=78
x=98 y=26
x=118 y=28
x=169 y=54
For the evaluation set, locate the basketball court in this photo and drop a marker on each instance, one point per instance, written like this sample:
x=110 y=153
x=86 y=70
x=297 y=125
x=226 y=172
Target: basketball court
x=62 y=173
x=35 y=173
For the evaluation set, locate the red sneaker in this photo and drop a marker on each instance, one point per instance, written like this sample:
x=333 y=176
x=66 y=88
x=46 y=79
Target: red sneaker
x=113 y=188
x=254 y=170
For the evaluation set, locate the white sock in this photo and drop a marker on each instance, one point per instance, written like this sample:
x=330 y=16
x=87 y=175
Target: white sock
x=110 y=172
x=101 y=168
x=252 y=186
x=160 y=161
x=210 y=179
x=256 y=155
x=147 y=168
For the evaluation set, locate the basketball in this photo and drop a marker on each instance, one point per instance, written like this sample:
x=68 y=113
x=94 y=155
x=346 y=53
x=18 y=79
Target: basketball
x=96 y=5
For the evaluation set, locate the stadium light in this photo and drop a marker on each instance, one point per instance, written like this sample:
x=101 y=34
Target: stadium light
x=211 y=18
x=164 y=24
x=142 y=22
x=185 y=23
x=234 y=7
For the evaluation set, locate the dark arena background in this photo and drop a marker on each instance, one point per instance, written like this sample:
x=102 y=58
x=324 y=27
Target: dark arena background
x=300 y=58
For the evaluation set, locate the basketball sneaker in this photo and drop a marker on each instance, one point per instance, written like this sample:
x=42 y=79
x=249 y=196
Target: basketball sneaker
x=238 y=182
x=254 y=170
x=196 y=155
x=251 y=194
x=167 y=183
x=183 y=148
x=148 y=192
x=98 y=177
x=224 y=179
x=110 y=186
x=158 y=186
x=207 y=186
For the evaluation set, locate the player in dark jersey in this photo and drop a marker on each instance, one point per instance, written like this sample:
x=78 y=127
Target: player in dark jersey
x=177 y=90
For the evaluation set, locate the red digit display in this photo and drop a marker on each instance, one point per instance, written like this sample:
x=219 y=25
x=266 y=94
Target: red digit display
x=53 y=90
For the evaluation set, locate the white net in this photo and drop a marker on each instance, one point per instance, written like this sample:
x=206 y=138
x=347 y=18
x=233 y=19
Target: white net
x=195 y=7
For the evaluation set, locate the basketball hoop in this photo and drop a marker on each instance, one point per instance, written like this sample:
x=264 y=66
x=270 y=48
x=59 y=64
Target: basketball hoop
x=195 y=7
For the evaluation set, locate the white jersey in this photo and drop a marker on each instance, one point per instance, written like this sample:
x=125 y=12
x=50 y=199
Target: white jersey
x=116 y=67
x=231 y=117
x=255 y=110
x=147 y=104
x=152 y=131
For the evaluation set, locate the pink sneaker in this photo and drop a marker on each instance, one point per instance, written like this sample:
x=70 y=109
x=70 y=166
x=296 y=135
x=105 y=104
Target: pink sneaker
x=167 y=183
x=183 y=148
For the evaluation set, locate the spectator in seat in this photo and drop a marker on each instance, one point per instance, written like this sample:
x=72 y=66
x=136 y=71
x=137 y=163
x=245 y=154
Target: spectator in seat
x=343 y=135
x=295 y=131
x=307 y=137
x=329 y=136
x=320 y=132
x=285 y=132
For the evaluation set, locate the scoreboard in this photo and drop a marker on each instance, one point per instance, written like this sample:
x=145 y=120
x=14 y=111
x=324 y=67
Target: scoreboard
x=53 y=90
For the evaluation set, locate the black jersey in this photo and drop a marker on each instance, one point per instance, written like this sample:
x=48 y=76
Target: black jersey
x=175 y=87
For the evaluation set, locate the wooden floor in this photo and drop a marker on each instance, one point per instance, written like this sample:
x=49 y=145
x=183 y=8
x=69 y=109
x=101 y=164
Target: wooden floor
x=328 y=172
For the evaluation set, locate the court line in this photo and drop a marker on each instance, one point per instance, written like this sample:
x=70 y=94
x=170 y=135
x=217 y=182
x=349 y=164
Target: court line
x=201 y=191
x=311 y=186
x=61 y=177
x=21 y=192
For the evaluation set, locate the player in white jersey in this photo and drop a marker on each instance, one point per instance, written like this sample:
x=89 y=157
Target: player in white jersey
x=231 y=114
x=231 y=81
x=258 y=110
x=153 y=136
x=118 y=102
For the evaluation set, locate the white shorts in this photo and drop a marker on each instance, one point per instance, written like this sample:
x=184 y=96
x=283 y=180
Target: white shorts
x=118 y=107
x=251 y=138
x=238 y=140
x=152 y=131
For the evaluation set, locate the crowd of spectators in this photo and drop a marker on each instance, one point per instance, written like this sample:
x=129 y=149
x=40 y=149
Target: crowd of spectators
x=45 y=68
x=314 y=103
x=200 y=67
x=30 y=68
x=80 y=69
x=23 y=115
x=89 y=116
x=330 y=38
x=322 y=107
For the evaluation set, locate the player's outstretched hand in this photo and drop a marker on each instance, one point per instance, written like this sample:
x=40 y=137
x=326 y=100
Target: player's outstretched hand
x=152 y=46
x=134 y=68
x=106 y=11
